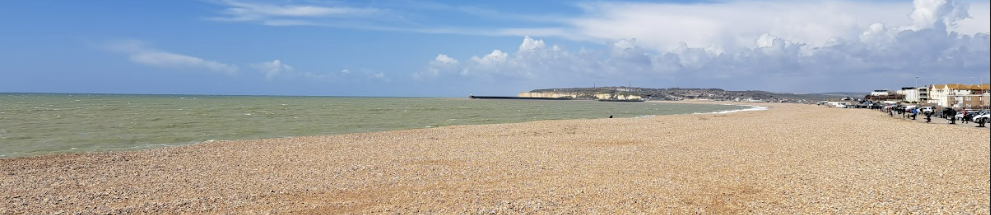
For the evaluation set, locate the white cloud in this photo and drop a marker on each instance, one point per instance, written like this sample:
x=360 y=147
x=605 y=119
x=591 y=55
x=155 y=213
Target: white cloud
x=769 y=60
x=731 y=24
x=444 y=59
x=363 y=75
x=937 y=12
x=734 y=41
x=435 y=67
x=531 y=44
x=496 y=57
x=980 y=17
x=277 y=70
x=141 y=54
x=284 y=14
x=274 y=69
x=716 y=25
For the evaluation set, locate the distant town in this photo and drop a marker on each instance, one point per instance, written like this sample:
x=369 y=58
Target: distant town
x=938 y=95
x=678 y=94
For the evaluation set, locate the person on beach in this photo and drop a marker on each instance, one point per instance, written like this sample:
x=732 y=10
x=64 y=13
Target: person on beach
x=963 y=117
x=951 y=115
x=929 y=117
x=915 y=112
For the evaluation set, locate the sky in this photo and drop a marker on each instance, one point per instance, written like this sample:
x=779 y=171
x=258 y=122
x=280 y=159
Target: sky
x=413 y=48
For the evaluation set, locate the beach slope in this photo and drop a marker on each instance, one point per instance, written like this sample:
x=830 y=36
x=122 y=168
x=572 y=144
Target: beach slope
x=789 y=159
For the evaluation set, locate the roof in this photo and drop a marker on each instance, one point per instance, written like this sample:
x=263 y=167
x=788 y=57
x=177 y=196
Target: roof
x=963 y=86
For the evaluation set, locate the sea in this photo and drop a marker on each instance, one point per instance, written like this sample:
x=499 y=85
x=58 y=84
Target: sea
x=40 y=124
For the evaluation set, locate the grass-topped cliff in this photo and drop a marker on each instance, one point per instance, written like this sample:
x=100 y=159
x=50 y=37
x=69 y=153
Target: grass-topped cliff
x=674 y=94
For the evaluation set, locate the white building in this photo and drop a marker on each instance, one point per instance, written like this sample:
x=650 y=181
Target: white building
x=950 y=95
x=917 y=95
x=880 y=93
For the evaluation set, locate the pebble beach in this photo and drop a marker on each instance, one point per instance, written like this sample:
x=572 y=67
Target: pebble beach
x=789 y=159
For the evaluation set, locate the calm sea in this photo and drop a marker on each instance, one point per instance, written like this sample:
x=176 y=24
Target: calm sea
x=36 y=124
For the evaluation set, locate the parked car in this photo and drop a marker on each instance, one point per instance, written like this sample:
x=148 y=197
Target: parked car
x=982 y=116
x=927 y=110
x=972 y=113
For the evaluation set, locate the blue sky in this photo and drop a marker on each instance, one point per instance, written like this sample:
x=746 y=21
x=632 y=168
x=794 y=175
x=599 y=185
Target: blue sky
x=456 y=48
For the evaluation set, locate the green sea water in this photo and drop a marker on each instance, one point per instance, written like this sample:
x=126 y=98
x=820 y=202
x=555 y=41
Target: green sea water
x=37 y=124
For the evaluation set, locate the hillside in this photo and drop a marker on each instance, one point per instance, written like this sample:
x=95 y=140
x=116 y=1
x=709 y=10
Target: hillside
x=676 y=94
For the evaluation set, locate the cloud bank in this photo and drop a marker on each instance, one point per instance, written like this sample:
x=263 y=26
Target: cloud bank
x=277 y=70
x=139 y=53
x=274 y=70
x=293 y=14
x=701 y=45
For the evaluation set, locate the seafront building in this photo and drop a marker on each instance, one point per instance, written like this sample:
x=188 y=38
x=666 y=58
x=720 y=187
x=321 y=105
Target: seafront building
x=915 y=94
x=959 y=95
x=939 y=95
x=881 y=93
x=886 y=96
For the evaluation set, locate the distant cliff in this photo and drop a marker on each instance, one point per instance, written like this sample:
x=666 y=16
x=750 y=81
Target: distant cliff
x=673 y=94
x=580 y=95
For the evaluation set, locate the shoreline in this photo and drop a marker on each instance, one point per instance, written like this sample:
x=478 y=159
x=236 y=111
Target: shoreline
x=88 y=150
x=789 y=159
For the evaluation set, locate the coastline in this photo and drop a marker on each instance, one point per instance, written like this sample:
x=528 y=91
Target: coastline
x=87 y=123
x=789 y=159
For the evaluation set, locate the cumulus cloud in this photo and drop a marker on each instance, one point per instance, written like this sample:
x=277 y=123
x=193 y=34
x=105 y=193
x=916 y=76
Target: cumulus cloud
x=435 y=67
x=139 y=53
x=531 y=44
x=274 y=69
x=928 y=13
x=714 y=25
x=770 y=60
x=732 y=25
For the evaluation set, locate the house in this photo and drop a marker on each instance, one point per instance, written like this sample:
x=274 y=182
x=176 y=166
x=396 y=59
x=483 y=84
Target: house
x=986 y=98
x=915 y=95
x=880 y=93
x=884 y=95
x=958 y=95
